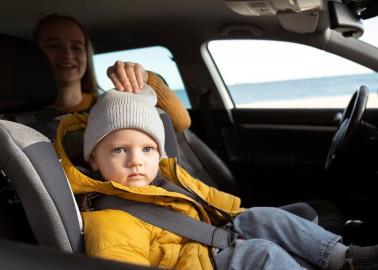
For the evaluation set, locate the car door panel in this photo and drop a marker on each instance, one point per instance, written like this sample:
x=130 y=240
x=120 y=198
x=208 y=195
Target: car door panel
x=277 y=155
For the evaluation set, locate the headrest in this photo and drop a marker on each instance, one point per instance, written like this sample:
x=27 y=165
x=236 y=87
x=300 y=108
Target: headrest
x=27 y=80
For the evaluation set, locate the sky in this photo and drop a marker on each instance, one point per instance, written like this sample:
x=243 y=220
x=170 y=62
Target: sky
x=157 y=59
x=237 y=61
x=371 y=31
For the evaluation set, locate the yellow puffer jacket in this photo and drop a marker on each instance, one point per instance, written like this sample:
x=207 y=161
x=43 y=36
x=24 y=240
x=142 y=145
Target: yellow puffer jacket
x=117 y=235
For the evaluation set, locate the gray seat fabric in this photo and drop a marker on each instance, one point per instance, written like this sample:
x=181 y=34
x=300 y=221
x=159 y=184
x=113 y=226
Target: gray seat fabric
x=27 y=85
x=29 y=161
x=171 y=144
x=26 y=76
x=19 y=256
x=199 y=160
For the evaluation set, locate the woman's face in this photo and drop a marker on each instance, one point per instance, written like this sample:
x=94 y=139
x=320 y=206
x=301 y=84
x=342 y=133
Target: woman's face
x=64 y=44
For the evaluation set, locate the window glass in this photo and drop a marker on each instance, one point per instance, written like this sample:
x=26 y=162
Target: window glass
x=274 y=74
x=370 y=34
x=157 y=59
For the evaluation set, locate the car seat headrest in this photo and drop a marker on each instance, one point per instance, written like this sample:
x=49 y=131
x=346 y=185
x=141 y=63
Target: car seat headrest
x=27 y=80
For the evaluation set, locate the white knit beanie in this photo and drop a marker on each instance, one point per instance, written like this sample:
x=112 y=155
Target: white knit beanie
x=115 y=110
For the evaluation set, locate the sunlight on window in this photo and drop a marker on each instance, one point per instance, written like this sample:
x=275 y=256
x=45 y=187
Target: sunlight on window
x=275 y=74
x=157 y=59
x=370 y=31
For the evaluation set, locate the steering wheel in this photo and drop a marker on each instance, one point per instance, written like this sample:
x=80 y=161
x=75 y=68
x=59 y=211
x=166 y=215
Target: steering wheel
x=349 y=122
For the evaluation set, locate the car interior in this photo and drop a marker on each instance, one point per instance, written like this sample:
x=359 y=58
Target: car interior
x=323 y=157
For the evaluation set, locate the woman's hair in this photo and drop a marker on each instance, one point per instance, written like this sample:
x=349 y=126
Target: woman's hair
x=88 y=82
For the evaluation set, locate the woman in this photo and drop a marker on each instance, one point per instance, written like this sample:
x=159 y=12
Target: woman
x=69 y=50
x=68 y=47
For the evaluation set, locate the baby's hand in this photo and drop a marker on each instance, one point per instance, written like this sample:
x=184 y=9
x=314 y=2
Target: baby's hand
x=127 y=76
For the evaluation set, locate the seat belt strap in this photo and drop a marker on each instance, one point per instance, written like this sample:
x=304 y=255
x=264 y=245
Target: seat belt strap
x=169 y=220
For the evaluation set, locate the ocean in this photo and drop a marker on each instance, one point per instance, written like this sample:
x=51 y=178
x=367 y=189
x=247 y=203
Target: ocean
x=304 y=89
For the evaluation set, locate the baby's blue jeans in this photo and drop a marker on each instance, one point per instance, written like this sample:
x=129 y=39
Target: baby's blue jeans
x=273 y=237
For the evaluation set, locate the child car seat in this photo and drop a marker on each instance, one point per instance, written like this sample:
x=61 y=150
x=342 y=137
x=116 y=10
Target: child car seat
x=29 y=161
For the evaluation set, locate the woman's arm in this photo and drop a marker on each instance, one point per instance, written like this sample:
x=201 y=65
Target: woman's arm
x=130 y=77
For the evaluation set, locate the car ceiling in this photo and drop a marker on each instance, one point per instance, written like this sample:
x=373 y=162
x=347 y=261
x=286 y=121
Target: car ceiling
x=116 y=23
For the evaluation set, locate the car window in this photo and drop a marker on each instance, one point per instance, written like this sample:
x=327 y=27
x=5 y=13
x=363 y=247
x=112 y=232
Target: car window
x=157 y=59
x=275 y=74
x=370 y=31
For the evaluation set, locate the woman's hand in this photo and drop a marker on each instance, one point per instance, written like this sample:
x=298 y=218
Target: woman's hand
x=127 y=76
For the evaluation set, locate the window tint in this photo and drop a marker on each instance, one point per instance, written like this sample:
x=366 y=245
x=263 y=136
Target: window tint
x=156 y=59
x=273 y=74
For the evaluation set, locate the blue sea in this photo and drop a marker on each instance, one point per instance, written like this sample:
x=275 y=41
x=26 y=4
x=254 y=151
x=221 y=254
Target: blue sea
x=296 y=89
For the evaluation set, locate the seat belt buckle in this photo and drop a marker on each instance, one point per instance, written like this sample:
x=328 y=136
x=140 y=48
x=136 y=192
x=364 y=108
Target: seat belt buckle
x=232 y=236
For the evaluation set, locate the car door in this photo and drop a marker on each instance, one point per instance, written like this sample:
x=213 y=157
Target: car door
x=287 y=100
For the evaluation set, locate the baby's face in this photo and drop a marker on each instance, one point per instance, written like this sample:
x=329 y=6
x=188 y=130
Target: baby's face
x=127 y=156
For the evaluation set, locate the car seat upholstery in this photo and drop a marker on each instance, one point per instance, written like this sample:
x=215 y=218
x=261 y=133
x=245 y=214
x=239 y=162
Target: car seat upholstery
x=25 y=73
x=29 y=161
x=28 y=85
x=199 y=160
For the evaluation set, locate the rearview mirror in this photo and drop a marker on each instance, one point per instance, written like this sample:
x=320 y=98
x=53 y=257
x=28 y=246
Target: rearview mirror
x=343 y=20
